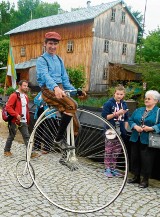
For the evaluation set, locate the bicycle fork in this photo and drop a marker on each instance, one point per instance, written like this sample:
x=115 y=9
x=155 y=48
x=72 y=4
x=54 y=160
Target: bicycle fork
x=71 y=156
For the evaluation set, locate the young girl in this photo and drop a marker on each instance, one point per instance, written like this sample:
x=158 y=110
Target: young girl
x=115 y=110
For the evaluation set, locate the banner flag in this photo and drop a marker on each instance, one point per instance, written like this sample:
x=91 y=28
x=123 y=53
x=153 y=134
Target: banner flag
x=11 y=71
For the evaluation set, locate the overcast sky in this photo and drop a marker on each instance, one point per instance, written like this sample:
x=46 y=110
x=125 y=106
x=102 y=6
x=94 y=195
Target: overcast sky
x=152 y=16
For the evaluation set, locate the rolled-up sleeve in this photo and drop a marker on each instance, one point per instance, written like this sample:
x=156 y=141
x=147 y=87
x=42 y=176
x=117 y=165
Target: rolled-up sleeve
x=131 y=121
x=156 y=127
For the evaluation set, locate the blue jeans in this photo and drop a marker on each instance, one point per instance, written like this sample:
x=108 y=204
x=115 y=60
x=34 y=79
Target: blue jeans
x=23 y=128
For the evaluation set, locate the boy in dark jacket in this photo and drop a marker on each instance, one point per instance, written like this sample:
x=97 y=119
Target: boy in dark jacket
x=115 y=110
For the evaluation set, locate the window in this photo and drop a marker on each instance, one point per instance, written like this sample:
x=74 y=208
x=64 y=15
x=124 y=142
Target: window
x=43 y=49
x=124 y=49
x=105 y=73
x=70 y=46
x=106 y=46
x=23 y=51
x=113 y=15
x=123 y=17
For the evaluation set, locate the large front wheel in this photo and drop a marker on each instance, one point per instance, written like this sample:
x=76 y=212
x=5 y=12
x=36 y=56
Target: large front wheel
x=88 y=187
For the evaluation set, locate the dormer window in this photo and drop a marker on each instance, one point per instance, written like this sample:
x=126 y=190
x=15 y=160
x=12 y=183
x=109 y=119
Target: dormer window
x=113 y=15
x=106 y=46
x=124 y=49
x=23 y=51
x=123 y=17
x=70 y=46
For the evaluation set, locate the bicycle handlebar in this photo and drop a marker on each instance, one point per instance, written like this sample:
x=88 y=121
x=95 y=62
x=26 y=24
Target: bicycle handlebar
x=76 y=91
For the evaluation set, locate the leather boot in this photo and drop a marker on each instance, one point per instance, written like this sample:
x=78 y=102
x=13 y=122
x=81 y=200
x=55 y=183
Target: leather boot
x=135 y=179
x=143 y=183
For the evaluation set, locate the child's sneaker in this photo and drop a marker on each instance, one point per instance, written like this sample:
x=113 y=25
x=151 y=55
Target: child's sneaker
x=117 y=173
x=108 y=173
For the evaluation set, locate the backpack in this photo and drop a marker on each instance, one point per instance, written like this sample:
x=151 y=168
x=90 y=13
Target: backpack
x=5 y=115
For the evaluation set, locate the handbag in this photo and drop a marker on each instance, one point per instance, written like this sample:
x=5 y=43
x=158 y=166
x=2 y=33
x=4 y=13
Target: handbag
x=154 y=138
x=110 y=134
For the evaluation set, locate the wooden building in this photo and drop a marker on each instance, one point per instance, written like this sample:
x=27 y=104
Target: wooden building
x=92 y=37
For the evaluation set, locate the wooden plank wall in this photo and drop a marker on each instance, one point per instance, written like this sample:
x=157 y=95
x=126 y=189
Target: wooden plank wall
x=117 y=34
x=80 y=33
x=117 y=72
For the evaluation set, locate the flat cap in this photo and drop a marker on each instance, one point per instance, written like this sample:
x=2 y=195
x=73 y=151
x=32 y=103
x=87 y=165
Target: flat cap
x=53 y=35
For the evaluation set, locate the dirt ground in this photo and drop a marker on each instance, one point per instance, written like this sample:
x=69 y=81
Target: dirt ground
x=4 y=130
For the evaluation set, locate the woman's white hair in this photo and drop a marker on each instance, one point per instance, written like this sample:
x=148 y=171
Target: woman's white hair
x=154 y=94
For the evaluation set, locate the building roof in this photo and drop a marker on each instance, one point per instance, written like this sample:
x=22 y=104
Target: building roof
x=83 y=14
x=136 y=68
x=24 y=65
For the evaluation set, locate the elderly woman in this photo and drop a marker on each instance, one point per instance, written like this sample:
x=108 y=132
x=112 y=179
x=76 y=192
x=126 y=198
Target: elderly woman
x=142 y=122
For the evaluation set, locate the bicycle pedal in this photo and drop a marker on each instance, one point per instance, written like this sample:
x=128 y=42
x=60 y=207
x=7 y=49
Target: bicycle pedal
x=62 y=161
x=74 y=167
x=71 y=166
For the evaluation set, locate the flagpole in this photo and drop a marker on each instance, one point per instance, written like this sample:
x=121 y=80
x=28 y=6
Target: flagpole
x=5 y=86
x=11 y=71
x=144 y=17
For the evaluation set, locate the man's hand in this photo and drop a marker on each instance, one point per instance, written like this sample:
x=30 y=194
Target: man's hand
x=19 y=117
x=59 y=93
x=83 y=95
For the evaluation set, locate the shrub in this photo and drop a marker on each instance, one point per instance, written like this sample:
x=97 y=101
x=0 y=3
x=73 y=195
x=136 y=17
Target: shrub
x=92 y=102
x=2 y=76
x=133 y=91
x=77 y=76
x=1 y=90
x=9 y=91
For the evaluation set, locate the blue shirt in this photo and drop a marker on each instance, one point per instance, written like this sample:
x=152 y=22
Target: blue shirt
x=52 y=72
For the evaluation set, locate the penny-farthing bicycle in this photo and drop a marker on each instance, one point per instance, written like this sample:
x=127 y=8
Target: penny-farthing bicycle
x=77 y=184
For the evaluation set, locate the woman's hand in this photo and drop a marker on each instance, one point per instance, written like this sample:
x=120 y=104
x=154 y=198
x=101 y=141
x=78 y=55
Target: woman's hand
x=138 y=129
x=147 y=129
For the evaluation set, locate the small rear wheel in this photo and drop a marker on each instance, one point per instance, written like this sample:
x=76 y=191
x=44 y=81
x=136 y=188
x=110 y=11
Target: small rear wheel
x=25 y=174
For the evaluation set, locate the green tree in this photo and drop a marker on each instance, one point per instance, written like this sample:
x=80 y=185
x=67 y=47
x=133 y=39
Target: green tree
x=4 y=48
x=151 y=75
x=46 y=9
x=26 y=9
x=6 y=10
x=151 y=46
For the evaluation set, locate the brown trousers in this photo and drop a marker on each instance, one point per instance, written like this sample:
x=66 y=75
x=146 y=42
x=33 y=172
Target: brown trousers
x=65 y=104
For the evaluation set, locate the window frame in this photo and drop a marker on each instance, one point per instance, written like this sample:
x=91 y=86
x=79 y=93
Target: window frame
x=123 y=20
x=124 y=49
x=105 y=73
x=113 y=15
x=23 y=51
x=106 y=46
x=43 y=49
x=70 y=46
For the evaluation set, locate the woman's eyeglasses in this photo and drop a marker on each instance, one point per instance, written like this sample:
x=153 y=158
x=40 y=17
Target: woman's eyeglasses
x=147 y=98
